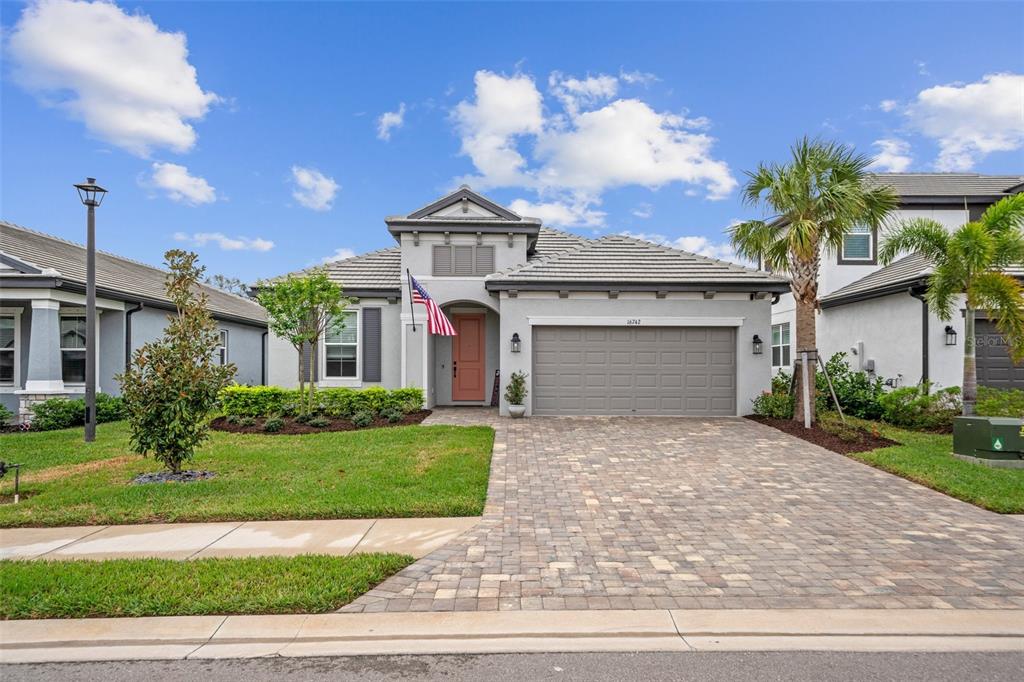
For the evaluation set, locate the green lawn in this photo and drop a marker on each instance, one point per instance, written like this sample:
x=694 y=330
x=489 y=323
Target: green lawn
x=392 y=472
x=926 y=459
x=162 y=587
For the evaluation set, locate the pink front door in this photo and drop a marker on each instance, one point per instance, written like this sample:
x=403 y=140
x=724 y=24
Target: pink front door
x=468 y=355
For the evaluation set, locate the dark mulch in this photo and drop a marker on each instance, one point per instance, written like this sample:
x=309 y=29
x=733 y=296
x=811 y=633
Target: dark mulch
x=829 y=441
x=292 y=427
x=170 y=477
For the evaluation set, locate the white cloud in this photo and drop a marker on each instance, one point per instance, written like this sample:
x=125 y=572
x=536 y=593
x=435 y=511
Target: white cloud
x=643 y=210
x=224 y=242
x=567 y=213
x=313 y=189
x=702 y=246
x=971 y=121
x=577 y=92
x=888 y=105
x=390 y=120
x=339 y=254
x=893 y=155
x=638 y=77
x=182 y=187
x=922 y=68
x=130 y=83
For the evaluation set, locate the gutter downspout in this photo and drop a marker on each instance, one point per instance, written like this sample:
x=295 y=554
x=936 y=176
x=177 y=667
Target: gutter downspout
x=128 y=333
x=263 y=358
x=919 y=295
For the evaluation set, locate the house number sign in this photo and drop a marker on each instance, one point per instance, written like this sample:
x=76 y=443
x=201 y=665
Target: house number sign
x=633 y=322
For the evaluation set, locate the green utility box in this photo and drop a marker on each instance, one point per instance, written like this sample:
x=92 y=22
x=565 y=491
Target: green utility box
x=997 y=439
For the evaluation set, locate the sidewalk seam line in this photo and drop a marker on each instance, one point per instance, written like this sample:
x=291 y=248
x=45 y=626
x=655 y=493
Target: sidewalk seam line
x=362 y=537
x=208 y=639
x=68 y=544
x=672 y=616
x=215 y=541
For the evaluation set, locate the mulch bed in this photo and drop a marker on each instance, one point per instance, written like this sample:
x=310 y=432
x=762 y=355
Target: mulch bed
x=292 y=427
x=822 y=438
x=186 y=476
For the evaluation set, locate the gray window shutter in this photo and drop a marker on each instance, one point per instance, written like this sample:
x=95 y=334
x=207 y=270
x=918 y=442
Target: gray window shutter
x=442 y=261
x=464 y=260
x=371 y=344
x=484 y=260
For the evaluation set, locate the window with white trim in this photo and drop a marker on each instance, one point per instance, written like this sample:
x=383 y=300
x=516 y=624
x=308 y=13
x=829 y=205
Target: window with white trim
x=858 y=245
x=220 y=353
x=8 y=348
x=341 y=348
x=72 y=348
x=780 y=345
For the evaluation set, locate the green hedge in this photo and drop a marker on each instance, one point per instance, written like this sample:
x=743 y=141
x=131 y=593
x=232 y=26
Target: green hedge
x=995 y=402
x=60 y=413
x=261 y=401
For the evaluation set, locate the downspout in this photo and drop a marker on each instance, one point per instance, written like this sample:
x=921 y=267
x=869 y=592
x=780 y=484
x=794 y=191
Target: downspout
x=128 y=333
x=263 y=359
x=919 y=295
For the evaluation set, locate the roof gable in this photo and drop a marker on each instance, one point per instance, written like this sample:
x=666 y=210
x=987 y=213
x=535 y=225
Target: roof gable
x=464 y=204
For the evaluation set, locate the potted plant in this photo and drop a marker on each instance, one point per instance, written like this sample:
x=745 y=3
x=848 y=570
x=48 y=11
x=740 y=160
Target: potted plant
x=515 y=394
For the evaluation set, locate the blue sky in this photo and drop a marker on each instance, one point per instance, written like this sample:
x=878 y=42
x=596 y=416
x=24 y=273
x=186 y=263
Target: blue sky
x=252 y=132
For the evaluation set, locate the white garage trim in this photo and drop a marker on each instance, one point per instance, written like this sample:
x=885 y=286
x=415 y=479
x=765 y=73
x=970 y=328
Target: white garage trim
x=639 y=321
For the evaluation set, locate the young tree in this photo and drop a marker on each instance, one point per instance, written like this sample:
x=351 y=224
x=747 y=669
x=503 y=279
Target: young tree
x=970 y=262
x=813 y=201
x=172 y=383
x=232 y=285
x=301 y=309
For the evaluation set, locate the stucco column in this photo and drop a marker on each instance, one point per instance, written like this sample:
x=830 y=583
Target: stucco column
x=44 y=369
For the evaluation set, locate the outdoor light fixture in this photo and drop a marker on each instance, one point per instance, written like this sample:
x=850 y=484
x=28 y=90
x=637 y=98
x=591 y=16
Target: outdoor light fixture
x=517 y=344
x=758 y=345
x=950 y=336
x=91 y=195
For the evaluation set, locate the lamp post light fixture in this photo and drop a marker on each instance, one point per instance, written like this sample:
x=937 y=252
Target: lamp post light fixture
x=758 y=345
x=91 y=195
x=950 y=336
x=517 y=344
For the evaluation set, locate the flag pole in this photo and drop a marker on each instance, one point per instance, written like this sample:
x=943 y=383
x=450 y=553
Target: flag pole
x=412 y=309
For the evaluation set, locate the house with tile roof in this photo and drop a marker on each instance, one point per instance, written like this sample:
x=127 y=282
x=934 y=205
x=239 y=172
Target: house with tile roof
x=609 y=326
x=42 y=319
x=877 y=315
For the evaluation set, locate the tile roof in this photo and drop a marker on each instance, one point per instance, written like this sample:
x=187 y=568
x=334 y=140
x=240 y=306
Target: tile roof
x=627 y=260
x=550 y=242
x=116 y=274
x=375 y=270
x=948 y=184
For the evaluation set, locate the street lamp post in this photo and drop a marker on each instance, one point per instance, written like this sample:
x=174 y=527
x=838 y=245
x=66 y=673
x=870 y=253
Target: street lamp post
x=91 y=195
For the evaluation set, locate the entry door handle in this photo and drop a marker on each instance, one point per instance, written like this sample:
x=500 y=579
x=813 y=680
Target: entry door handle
x=455 y=369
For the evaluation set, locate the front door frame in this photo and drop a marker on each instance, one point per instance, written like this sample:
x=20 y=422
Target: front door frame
x=456 y=319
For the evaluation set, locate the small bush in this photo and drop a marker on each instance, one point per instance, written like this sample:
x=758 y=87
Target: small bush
x=857 y=392
x=6 y=416
x=913 y=407
x=362 y=418
x=339 y=403
x=392 y=415
x=61 y=413
x=782 y=382
x=515 y=390
x=273 y=425
x=232 y=418
x=830 y=422
x=774 y=405
x=319 y=422
x=995 y=402
x=247 y=421
x=256 y=401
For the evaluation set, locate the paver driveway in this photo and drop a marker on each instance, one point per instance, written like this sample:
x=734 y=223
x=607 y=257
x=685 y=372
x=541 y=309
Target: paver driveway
x=599 y=513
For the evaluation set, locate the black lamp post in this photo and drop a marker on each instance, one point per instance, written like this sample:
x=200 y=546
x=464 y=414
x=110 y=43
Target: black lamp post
x=91 y=195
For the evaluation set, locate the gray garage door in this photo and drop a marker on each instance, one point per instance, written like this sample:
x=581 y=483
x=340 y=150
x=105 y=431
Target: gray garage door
x=634 y=370
x=994 y=366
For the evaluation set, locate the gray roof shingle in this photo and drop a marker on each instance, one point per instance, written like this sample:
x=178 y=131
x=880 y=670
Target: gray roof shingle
x=948 y=184
x=375 y=270
x=115 y=274
x=626 y=260
x=551 y=242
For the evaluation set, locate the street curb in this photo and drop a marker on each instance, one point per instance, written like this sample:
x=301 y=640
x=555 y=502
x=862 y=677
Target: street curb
x=344 y=634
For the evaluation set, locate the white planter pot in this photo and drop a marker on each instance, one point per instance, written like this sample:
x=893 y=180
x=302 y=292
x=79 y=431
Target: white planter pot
x=516 y=411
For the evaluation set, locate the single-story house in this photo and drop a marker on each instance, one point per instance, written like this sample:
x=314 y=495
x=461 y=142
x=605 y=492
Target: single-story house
x=42 y=319
x=609 y=326
x=877 y=315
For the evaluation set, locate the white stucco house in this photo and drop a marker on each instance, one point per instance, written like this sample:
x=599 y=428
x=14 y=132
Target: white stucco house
x=876 y=314
x=601 y=326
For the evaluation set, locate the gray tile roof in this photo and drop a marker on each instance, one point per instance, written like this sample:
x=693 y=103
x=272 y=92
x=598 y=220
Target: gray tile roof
x=627 y=260
x=948 y=184
x=375 y=270
x=551 y=242
x=131 y=279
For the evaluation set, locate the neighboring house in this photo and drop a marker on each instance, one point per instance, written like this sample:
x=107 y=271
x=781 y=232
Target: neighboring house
x=42 y=319
x=876 y=314
x=605 y=326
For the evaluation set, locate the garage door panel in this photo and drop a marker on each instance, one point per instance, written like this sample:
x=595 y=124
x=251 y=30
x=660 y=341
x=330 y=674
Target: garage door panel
x=622 y=370
x=993 y=360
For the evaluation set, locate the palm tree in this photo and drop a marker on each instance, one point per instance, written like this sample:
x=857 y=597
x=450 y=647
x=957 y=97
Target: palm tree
x=813 y=201
x=970 y=262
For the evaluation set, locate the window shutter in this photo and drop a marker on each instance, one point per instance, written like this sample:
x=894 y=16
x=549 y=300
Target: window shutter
x=371 y=344
x=484 y=260
x=463 y=260
x=442 y=261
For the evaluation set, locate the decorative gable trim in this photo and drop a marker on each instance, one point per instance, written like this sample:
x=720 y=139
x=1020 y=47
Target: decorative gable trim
x=464 y=193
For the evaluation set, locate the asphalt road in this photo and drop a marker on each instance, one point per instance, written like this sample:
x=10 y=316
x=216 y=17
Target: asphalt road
x=705 y=666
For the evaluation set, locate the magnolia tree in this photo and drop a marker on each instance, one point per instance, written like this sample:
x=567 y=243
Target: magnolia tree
x=301 y=309
x=172 y=383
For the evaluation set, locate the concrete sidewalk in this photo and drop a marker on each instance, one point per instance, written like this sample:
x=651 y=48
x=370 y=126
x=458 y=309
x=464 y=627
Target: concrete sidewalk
x=414 y=536
x=340 y=634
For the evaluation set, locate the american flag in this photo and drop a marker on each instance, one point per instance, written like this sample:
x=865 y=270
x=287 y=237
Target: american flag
x=437 y=323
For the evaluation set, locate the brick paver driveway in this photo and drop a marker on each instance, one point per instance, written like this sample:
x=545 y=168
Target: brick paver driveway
x=634 y=513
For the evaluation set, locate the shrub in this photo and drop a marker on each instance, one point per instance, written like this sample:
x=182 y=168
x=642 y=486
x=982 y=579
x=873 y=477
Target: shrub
x=782 y=382
x=774 y=405
x=392 y=415
x=362 y=418
x=515 y=390
x=6 y=416
x=830 y=422
x=256 y=401
x=273 y=424
x=994 y=402
x=319 y=422
x=913 y=407
x=61 y=413
x=857 y=392
x=337 y=402
x=262 y=401
x=247 y=421
x=232 y=419
x=408 y=399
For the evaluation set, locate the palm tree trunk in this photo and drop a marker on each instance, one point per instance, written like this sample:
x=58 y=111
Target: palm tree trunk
x=806 y=339
x=970 y=389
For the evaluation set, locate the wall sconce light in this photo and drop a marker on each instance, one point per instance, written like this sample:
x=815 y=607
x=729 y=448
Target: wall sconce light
x=950 y=336
x=758 y=345
x=517 y=344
